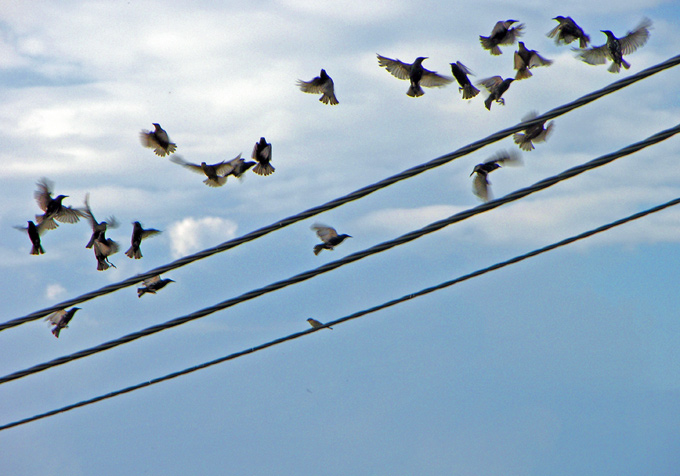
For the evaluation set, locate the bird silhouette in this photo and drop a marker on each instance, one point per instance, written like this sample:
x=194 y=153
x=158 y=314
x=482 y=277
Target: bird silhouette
x=216 y=173
x=480 y=184
x=535 y=133
x=460 y=72
x=98 y=228
x=53 y=208
x=567 y=31
x=60 y=319
x=321 y=84
x=34 y=235
x=151 y=285
x=158 y=140
x=138 y=234
x=496 y=86
x=329 y=236
x=317 y=325
x=526 y=59
x=262 y=154
x=503 y=33
x=615 y=47
x=415 y=73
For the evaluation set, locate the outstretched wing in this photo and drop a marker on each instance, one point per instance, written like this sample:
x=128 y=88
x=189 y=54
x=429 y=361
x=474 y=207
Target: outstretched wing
x=636 y=38
x=397 y=68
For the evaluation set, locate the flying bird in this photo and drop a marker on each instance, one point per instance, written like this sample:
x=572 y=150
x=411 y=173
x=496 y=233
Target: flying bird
x=321 y=84
x=480 y=184
x=138 y=234
x=158 y=140
x=60 y=319
x=151 y=285
x=415 y=73
x=496 y=86
x=216 y=173
x=98 y=228
x=460 y=72
x=103 y=248
x=535 y=133
x=316 y=324
x=568 y=31
x=53 y=208
x=526 y=59
x=262 y=153
x=329 y=236
x=34 y=236
x=239 y=167
x=503 y=33
x=615 y=47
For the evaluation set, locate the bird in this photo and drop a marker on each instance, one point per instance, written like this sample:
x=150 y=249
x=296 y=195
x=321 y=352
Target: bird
x=60 y=319
x=415 y=73
x=138 y=234
x=503 y=33
x=496 y=86
x=151 y=285
x=480 y=184
x=526 y=59
x=53 y=208
x=103 y=248
x=98 y=228
x=535 y=133
x=239 y=167
x=262 y=153
x=568 y=31
x=316 y=324
x=321 y=84
x=34 y=236
x=216 y=173
x=460 y=72
x=329 y=236
x=158 y=140
x=615 y=47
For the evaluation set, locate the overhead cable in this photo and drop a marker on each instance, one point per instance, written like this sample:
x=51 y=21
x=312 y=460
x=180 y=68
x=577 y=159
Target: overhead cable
x=355 y=315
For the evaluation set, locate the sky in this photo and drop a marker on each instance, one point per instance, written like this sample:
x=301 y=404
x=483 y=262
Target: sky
x=567 y=363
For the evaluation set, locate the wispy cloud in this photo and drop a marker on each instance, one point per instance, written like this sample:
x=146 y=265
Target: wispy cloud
x=193 y=234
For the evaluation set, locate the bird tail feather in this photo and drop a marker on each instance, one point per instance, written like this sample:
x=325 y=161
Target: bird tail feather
x=133 y=252
x=329 y=99
x=317 y=249
x=487 y=102
x=488 y=44
x=264 y=169
x=415 y=91
x=469 y=91
x=523 y=73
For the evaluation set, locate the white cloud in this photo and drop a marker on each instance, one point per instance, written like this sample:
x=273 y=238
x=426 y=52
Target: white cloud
x=194 y=234
x=55 y=291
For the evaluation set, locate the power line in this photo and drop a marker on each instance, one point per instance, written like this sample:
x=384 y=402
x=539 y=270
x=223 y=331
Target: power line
x=357 y=194
x=413 y=235
x=355 y=315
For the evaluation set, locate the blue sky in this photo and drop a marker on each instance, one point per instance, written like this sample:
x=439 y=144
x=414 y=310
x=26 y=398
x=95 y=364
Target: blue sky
x=564 y=364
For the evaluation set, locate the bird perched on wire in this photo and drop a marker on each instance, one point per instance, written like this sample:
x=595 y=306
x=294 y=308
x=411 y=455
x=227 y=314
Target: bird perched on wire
x=526 y=59
x=503 y=33
x=480 y=184
x=568 y=31
x=615 y=47
x=321 y=84
x=262 y=153
x=415 y=73
x=496 y=86
x=460 y=72
x=151 y=285
x=98 y=228
x=329 y=236
x=535 y=133
x=138 y=234
x=34 y=236
x=60 y=319
x=53 y=208
x=317 y=325
x=158 y=140
x=216 y=173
